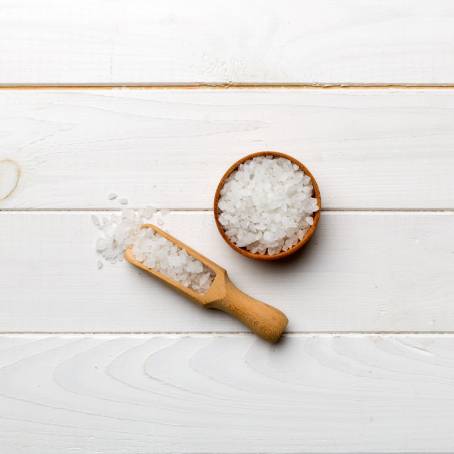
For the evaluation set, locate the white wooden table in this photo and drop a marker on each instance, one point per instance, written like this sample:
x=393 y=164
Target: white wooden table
x=153 y=100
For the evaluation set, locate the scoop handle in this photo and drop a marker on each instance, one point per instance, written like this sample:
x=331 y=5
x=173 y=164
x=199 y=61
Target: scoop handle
x=264 y=320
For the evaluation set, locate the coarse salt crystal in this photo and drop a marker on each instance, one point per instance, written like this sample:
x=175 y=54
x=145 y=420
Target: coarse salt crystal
x=95 y=221
x=101 y=244
x=148 y=212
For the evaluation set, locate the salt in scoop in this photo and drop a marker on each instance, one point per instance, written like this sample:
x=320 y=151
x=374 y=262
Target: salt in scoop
x=262 y=319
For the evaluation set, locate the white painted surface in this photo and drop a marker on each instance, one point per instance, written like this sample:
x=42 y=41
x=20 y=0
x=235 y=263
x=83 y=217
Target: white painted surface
x=176 y=41
x=362 y=272
x=9 y=177
x=229 y=394
x=367 y=148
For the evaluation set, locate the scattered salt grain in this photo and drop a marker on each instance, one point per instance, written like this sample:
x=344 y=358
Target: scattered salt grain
x=95 y=220
x=112 y=196
x=101 y=244
x=118 y=231
x=267 y=205
x=160 y=254
x=148 y=212
x=99 y=264
x=123 y=201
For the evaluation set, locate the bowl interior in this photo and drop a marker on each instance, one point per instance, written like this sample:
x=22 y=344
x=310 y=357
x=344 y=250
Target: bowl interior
x=300 y=243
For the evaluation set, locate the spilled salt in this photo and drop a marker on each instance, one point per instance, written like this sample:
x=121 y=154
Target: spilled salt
x=117 y=232
x=120 y=231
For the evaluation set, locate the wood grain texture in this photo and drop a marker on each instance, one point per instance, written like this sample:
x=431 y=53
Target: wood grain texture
x=226 y=394
x=360 y=272
x=175 y=41
x=200 y=391
x=367 y=149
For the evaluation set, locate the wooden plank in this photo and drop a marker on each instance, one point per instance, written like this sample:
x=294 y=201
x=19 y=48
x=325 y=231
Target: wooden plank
x=367 y=149
x=175 y=41
x=362 y=272
x=227 y=394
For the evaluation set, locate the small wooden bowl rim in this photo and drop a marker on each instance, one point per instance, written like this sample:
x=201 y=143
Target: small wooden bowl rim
x=300 y=243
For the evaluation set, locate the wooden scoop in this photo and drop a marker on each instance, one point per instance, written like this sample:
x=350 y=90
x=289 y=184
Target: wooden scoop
x=264 y=320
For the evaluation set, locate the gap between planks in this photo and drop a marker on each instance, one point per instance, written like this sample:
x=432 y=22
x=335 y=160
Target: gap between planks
x=196 y=210
x=296 y=334
x=226 y=86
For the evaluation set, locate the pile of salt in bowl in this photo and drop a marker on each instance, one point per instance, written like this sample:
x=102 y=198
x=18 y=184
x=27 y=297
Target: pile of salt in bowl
x=267 y=205
x=119 y=231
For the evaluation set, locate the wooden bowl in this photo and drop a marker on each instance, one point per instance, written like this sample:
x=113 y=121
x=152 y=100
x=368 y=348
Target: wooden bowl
x=297 y=246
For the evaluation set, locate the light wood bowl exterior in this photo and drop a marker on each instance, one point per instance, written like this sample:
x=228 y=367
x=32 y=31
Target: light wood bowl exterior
x=297 y=246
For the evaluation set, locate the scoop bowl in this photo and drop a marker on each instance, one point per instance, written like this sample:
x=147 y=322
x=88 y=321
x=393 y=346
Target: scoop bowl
x=262 y=319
